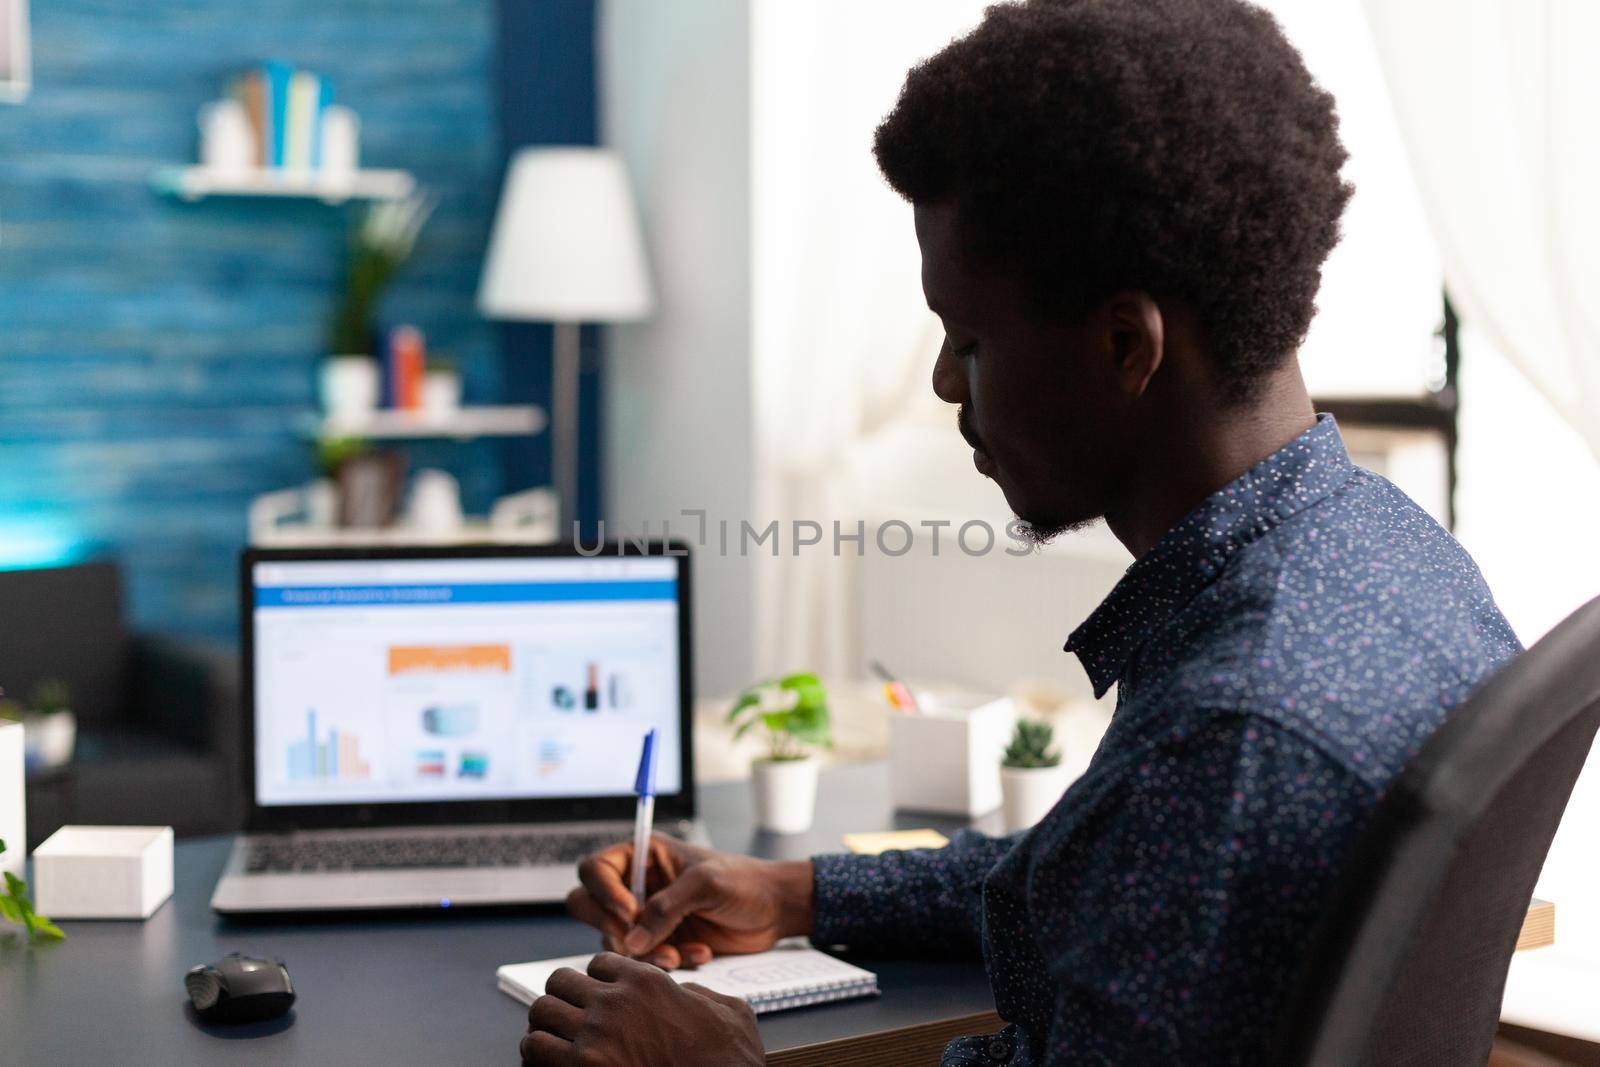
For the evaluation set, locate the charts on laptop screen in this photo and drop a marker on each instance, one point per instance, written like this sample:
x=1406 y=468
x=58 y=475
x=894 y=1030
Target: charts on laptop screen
x=464 y=679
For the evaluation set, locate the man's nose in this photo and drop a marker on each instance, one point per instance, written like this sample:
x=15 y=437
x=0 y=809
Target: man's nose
x=949 y=379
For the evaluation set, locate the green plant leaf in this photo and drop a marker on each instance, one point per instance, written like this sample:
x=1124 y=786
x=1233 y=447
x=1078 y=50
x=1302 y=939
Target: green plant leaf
x=17 y=908
x=819 y=737
x=811 y=724
x=19 y=891
x=2 y=845
x=748 y=699
x=809 y=692
x=805 y=722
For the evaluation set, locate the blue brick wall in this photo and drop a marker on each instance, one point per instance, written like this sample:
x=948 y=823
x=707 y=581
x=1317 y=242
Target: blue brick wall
x=547 y=96
x=154 y=354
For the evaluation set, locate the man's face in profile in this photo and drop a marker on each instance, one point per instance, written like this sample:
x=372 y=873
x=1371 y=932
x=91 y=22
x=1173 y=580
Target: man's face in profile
x=1038 y=409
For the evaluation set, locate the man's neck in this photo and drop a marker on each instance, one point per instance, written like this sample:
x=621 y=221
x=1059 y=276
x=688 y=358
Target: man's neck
x=1203 y=450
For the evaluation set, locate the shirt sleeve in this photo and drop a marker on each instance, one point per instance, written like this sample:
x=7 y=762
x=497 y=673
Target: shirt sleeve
x=918 y=901
x=1171 y=919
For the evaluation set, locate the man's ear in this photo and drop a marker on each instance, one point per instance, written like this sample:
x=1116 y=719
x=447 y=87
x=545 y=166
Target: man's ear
x=1134 y=337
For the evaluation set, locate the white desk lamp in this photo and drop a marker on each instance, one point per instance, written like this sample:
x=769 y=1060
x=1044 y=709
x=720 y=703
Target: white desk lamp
x=565 y=249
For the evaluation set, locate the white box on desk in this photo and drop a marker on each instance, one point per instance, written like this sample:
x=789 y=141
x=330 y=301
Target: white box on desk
x=946 y=758
x=13 y=799
x=103 y=872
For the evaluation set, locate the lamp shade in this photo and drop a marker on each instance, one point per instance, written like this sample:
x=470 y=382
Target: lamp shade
x=566 y=244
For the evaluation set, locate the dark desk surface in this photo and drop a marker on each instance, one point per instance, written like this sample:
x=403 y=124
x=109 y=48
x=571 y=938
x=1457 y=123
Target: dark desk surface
x=402 y=990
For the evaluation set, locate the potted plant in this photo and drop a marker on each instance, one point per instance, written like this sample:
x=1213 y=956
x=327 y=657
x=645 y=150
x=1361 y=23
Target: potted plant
x=1031 y=776
x=350 y=379
x=793 y=710
x=49 y=727
x=17 y=907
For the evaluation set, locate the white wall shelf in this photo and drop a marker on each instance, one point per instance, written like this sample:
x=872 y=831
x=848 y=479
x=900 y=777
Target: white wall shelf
x=463 y=424
x=471 y=532
x=195 y=183
x=306 y=516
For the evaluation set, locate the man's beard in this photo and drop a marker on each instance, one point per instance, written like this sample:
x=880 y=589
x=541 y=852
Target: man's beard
x=1040 y=532
x=1037 y=531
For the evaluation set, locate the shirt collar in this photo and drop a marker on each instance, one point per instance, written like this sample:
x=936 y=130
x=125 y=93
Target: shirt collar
x=1193 y=553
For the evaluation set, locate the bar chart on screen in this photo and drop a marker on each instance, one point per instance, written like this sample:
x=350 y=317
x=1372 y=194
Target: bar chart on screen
x=337 y=756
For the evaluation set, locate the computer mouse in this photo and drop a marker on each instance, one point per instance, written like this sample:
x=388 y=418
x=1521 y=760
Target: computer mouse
x=239 y=989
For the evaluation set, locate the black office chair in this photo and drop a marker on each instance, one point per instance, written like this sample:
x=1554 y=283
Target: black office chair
x=1409 y=964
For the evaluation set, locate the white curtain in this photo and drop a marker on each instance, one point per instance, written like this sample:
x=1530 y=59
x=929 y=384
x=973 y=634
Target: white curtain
x=1497 y=102
x=842 y=341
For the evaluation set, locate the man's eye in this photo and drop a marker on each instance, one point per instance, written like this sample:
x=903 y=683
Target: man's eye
x=967 y=350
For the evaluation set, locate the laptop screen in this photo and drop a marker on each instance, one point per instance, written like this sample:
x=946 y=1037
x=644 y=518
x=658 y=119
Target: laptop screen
x=497 y=678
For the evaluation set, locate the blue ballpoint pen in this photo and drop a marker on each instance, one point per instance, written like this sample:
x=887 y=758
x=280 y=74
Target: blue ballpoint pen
x=644 y=786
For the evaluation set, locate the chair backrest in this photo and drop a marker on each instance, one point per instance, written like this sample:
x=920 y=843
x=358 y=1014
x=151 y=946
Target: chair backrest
x=1409 y=964
x=65 y=624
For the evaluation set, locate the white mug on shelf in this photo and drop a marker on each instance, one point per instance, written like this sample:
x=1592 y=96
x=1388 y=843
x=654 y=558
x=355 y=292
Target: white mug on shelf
x=441 y=393
x=350 y=386
x=435 y=504
x=341 y=144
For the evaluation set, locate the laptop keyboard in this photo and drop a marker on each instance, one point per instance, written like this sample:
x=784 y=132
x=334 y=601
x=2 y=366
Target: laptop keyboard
x=390 y=852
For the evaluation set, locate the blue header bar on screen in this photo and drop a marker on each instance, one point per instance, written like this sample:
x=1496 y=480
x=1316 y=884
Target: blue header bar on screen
x=367 y=596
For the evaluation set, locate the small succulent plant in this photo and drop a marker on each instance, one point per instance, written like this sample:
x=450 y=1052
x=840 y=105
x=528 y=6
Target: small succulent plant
x=1030 y=746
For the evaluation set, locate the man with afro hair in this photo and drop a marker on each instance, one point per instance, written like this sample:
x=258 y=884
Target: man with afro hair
x=1123 y=208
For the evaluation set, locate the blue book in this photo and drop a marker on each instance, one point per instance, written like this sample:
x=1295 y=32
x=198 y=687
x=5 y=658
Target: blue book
x=324 y=101
x=388 y=394
x=276 y=75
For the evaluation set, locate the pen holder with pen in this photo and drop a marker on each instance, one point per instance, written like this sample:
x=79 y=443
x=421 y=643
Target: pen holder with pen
x=946 y=757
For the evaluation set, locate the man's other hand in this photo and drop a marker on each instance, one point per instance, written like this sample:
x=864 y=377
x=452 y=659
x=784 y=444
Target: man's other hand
x=624 y=1013
x=699 y=903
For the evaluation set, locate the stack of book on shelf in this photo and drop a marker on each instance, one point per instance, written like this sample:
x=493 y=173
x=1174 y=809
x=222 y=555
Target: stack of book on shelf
x=286 y=107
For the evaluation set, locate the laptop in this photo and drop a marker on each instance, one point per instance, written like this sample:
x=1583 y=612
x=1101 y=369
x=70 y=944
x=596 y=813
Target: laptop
x=453 y=726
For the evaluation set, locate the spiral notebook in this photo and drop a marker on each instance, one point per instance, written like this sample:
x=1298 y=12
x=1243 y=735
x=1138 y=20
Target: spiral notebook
x=792 y=974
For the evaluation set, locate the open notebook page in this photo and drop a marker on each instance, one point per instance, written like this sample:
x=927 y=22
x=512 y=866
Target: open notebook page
x=789 y=975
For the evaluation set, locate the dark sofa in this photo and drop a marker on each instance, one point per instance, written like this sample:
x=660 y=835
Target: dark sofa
x=158 y=720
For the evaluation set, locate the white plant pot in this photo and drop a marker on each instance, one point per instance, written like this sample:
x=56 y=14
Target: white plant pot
x=786 y=794
x=350 y=386
x=51 y=738
x=1028 y=793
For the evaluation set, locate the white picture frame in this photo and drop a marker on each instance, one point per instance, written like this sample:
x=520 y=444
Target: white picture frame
x=15 y=68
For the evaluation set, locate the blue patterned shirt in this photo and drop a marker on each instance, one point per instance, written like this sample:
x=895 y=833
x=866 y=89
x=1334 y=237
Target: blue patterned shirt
x=1279 y=655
